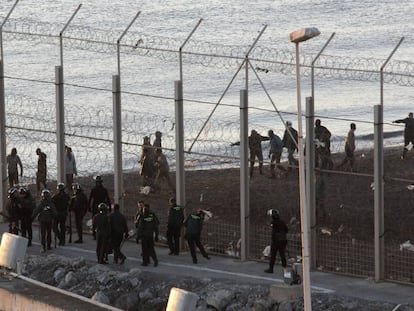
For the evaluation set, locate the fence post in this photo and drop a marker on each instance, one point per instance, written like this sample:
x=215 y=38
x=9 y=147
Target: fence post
x=378 y=193
x=244 y=177
x=3 y=153
x=60 y=126
x=310 y=176
x=179 y=143
x=310 y=157
x=3 y=156
x=117 y=128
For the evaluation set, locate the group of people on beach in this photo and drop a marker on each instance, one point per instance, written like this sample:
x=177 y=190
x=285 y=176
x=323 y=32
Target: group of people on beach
x=14 y=163
x=323 y=159
x=154 y=165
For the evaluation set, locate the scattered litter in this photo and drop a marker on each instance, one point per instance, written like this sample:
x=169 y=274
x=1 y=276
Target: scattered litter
x=266 y=251
x=207 y=214
x=319 y=144
x=410 y=187
x=145 y=190
x=326 y=231
x=407 y=246
x=89 y=223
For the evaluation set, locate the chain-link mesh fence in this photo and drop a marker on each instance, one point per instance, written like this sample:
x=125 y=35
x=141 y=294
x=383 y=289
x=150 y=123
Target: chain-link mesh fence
x=345 y=225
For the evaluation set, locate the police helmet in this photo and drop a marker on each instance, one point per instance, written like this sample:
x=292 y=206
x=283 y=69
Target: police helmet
x=23 y=190
x=76 y=187
x=98 y=179
x=12 y=192
x=45 y=194
x=60 y=186
x=103 y=207
x=273 y=212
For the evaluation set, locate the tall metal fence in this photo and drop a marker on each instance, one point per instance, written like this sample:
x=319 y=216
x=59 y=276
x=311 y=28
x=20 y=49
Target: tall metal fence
x=148 y=65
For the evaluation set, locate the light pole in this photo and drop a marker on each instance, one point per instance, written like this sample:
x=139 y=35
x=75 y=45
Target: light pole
x=296 y=37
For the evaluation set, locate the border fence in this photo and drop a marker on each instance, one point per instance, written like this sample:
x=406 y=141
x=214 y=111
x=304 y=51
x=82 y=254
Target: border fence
x=344 y=243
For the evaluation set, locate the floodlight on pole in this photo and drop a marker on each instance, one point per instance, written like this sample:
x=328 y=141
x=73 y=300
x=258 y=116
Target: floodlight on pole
x=296 y=37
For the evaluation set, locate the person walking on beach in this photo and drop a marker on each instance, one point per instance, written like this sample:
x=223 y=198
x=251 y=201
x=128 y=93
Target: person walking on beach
x=157 y=141
x=323 y=148
x=255 y=147
x=41 y=170
x=275 y=153
x=99 y=194
x=349 y=148
x=13 y=160
x=194 y=225
x=70 y=166
x=408 y=132
x=279 y=240
x=174 y=225
x=162 y=170
x=147 y=170
x=290 y=142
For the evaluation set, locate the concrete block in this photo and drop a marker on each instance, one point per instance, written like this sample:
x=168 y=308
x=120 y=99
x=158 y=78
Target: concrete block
x=285 y=292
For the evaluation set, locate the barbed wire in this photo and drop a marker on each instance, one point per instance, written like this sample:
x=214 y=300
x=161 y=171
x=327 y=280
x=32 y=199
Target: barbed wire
x=209 y=54
x=29 y=125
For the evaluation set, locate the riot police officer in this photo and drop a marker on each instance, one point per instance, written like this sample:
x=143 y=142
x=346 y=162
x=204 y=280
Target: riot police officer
x=46 y=213
x=28 y=205
x=79 y=206
x=61 y=200
x=13 y=209
x=119 y=231
x=279 y=239
x=102 y=228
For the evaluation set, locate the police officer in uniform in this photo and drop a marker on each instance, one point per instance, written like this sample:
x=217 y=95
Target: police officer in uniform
x=194 y=225
x=147 y=229
x=46 y=213
x=119 y=231
x=102 y=228
x=279 y=239
x=14 y=210
x=174 y=224
x=61 y=200
x=28 y=205
x=79 y=205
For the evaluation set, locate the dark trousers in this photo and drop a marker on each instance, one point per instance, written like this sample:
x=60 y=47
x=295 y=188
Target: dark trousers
x=173 y=239
x=148 y=250
x=101 y=247
x=194 y=241
x=277 y=246
x=60 y=229
x=13 y=179
x=46 y=233
x=78 y=223
x=26 y=228
x=116 y=244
